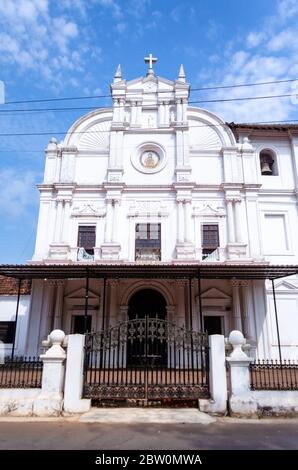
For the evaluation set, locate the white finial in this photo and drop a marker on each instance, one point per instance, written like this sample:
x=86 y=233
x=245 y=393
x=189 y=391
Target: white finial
x=150 y=60
x=181 y=76
x=118 y=74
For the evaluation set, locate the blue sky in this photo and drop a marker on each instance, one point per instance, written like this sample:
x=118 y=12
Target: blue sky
x=67 y=48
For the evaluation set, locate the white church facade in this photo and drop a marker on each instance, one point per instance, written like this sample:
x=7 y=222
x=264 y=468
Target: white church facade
x=156 y=207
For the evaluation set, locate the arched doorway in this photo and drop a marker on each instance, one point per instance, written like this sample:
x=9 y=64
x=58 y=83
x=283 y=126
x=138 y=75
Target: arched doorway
x=147 y=302
x=146 y=343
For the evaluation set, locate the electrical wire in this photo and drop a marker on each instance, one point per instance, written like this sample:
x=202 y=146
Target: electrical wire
x=219 y=87
x=223 y=100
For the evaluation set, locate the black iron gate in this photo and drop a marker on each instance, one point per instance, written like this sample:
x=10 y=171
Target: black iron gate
x=146 y=359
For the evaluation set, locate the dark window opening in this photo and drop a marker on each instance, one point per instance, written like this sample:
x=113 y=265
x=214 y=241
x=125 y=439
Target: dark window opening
x=78 y=324
x=213 y=324
x=148 y=242
x=210 y=239
x=86 y=238
x=7 y=331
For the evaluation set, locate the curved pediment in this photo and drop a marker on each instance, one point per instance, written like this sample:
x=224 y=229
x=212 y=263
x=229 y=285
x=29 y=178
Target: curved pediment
x=90 y=132
x=207 y=131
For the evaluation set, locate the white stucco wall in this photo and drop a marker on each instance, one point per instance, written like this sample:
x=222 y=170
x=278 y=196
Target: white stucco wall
x=7 y=313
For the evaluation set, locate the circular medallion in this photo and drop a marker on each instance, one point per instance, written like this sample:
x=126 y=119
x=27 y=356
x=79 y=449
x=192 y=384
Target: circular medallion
x=150 y=159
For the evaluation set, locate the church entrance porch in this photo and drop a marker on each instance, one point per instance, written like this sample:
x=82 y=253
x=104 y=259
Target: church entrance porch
x=146 y=360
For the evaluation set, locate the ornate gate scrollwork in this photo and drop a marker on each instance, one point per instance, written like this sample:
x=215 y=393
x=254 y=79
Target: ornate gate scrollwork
x=146 y=358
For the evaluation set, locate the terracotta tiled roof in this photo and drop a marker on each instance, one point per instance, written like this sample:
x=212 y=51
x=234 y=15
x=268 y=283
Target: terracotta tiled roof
x=9 y=286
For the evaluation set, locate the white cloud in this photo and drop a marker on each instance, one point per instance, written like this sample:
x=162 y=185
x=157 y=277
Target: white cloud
x=254 y=38
x=121 y=27
x=17 y=191
x=113 y=6
x=32 y=38
x=287 y=8
x=284 y=40
x=269 y=54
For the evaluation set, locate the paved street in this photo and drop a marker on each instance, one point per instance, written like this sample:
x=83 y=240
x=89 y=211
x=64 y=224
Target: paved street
x=223 y=434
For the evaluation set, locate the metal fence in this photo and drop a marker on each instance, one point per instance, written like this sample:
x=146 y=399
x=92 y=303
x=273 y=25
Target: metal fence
x=21 y=372
x=273 y=375
x=146 y=358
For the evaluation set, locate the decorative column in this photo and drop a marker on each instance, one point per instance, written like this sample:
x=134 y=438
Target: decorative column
x=109 y=221
x=180 y=300
x=171 y=313
x=110 y=249
x=161 y=114
x=238 y=220
x=113 y=285
x=187 y=221
x=184 y=109
x=58 y=225
x=116 y=204
x=139 y=113
x=166 y=113
x=123 y=312
x=121 y=109
x=115 y=110
x=247 y=329
x=179 y=110
x=230 y=221
x=59 y=304
x=180 y=222
x=66 y=218
x=133 y=115
x=236 y=313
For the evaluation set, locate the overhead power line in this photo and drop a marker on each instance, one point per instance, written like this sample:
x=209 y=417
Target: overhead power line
x=219 y=87
x=103 y=131
x=223 y=100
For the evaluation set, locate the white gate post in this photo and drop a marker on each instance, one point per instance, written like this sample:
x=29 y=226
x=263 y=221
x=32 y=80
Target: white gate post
x=217 y=377
x=241 y=399
x=49 y=402
x=73 y=401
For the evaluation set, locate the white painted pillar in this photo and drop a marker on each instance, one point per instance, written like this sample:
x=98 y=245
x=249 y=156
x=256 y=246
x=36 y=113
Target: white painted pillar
x=66 y=220
x=73 y=390
x=115 y=109
x=58 y=225
x=187 y=221
x=116 y=204
x=166 y=113
x=109 y=221
x=184 y=110
x=246 y=317
x=113 y=285
x=230 y=221
x=59 y=305
x=161 y=114
x=49 y=289
x=49 y=402
x=179 y=110
x=180 y=222
x=239 y=365
x=133 y=113
x=238 y=220
x=237 y=324
x=121 y=110
x=139 y=113
x=217 y=373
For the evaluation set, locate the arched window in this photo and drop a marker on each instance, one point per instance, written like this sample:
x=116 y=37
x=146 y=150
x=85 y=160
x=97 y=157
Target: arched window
x=268 y=163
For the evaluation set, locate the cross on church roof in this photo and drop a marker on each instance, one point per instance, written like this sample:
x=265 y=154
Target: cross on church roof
x=150 y=60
